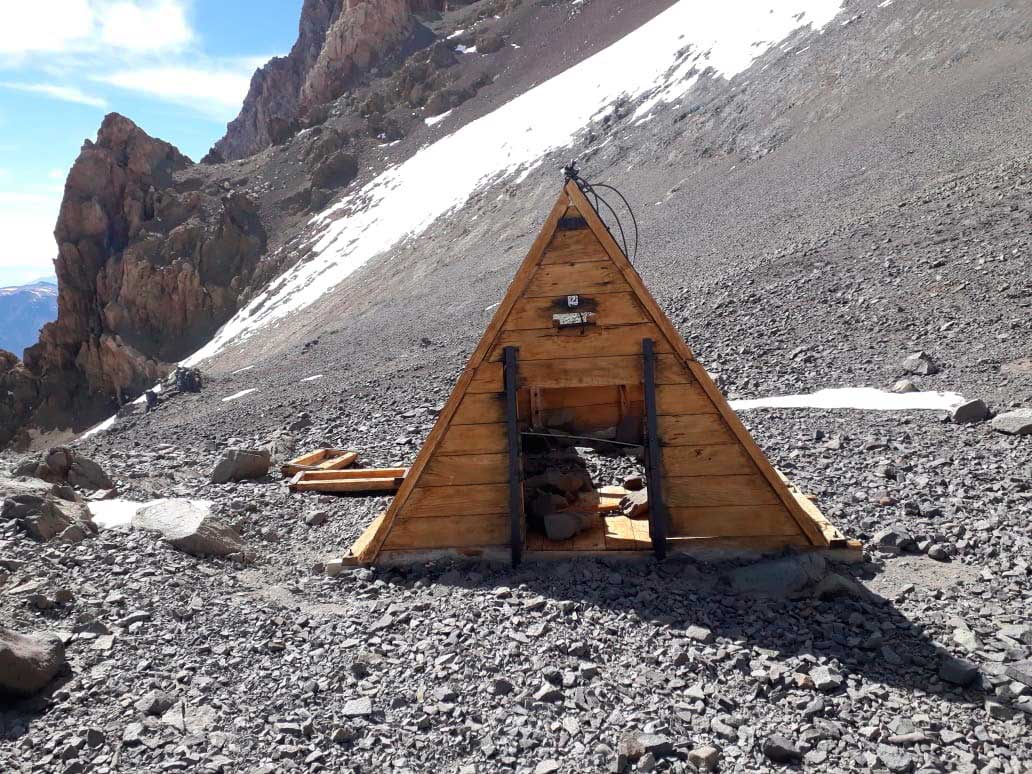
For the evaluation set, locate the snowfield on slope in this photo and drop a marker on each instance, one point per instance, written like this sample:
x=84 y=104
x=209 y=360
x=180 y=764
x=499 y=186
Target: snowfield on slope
x=654 y=62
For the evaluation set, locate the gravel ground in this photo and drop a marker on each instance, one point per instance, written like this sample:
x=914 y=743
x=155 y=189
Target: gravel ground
x=890 y=213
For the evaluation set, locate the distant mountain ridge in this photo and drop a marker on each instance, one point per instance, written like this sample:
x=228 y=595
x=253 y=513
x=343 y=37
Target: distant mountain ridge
x=24 y=309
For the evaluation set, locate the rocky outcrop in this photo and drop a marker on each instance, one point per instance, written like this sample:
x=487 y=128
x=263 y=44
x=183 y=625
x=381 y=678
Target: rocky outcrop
x=148 y=269
x=337 y=41
x=62 y=465
x=19 y=396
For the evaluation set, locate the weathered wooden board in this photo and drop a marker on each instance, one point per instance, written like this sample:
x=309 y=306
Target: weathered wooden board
x=593 y=341
x=320 y=459
x=473 y=439
x=449 y=532
x=341 y=475
x=623 y=534
x=589 y=396
x=459 y=470
x=581 y=419
x=694 y=430
x=362 y=544
x=609 y=309
x=719 y=460
x=433 y=501
x=572 y=247
x=584 y=278
x=354 y=485
x=480 y=409
x=710 y=491
x=685 y=398
x=728 y=521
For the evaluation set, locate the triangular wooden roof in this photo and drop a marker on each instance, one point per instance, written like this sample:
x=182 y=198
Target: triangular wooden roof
x=474 y=499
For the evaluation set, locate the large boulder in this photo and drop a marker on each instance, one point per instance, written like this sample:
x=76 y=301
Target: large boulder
x=61 y=465
x=44 y=517
x=241 y=465
x=921 y=364
x=28 y=662
x=1018 y=422
x=189 y=527
x=778 y=577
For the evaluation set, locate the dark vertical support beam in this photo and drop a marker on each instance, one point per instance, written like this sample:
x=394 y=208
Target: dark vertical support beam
x=513 y=432
x=657 y=508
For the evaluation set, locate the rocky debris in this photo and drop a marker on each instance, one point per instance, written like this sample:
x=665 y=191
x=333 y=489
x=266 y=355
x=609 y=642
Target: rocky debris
x=187 y=379
x=241 y=465
x=44 y=516
x=489 y=43
x=188 y=527
x=1018 y=422
x=895 y=538
x=28 y=662
x=904 y=386
x=705 y=758
x=155 y=703
x=62 y=465
x=778 y=577
x=957 y=670
x=921 y=364
x=635 y=505
x=778 y=749
x=969 y=412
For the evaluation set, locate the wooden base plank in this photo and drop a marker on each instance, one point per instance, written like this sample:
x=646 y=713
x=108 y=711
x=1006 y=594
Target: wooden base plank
x=712 y=491
x=341 y=475
x=353 y=485
x=320 y=459
x=449 y=532
x=730 y=521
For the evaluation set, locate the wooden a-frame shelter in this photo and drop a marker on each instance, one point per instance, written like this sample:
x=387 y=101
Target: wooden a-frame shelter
x=578 y=332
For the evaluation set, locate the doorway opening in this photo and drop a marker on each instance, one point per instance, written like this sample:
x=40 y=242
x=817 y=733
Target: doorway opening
x=584 y=482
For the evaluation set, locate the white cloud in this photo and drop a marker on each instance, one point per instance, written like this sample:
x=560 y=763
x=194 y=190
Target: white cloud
x=84 y=26
x=216 y=90
x=27 y=222
x=56 y=91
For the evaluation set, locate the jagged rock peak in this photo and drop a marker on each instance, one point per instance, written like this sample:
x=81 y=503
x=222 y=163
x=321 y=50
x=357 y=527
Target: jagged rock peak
x=146 y=271
x=337 y=41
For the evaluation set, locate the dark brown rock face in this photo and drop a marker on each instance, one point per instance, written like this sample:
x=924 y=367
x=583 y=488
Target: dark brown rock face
x=337 y=41
x=19 y=395
x=146 y=271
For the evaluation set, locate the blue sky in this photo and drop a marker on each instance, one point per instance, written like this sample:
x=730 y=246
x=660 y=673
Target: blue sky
x=178 y=68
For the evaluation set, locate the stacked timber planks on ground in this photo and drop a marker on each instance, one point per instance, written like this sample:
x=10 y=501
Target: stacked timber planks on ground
x=320 y=459
x=364 y=480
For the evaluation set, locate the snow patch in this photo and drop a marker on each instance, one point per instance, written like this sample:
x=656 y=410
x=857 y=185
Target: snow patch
x=466 y=49
x=433 y=120
x=118 y=513
x=241 y=370
x=866 y=398
x=312 y=378
x=240 y=394
x=108 y=423
x=654 y=61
